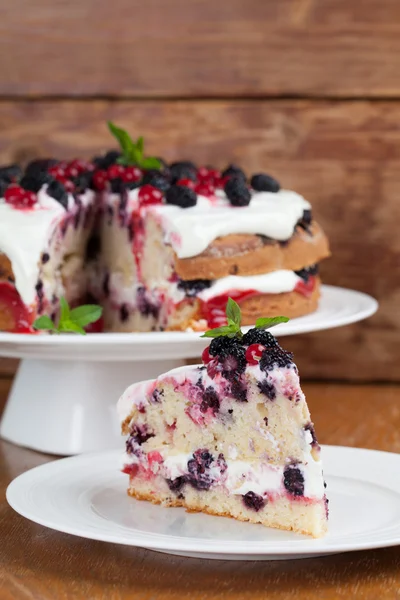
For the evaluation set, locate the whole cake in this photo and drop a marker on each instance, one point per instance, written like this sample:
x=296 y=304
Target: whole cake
x=230 y=437
x=158 y=246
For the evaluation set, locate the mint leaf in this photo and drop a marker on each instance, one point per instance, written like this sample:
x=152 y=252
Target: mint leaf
x=233 y=312
x=150 y=163
x=64 y=315
x=140 y=144
x=44 y=322
x=267 y=322
x=135 y=156
x=83 y=315
x=71 y=327
x=123 y=139
x=228 y=330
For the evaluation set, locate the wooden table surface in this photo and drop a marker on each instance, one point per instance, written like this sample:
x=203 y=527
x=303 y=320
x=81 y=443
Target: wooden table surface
x=37 y=563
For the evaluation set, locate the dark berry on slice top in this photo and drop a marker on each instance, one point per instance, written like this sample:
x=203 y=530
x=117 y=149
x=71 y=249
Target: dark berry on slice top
x=275 y=357
x=117 y=186
x=233 y=362
x=234 y=171
x=10 y=173
x=254 y=501
x=3 y=187
x=82 y=182
x=222 y=344
x=293 y=480
x=180 y=195
x=261 y=182
x=259 y=336
x=237 y=192
x=57 y=190
x=156 y=179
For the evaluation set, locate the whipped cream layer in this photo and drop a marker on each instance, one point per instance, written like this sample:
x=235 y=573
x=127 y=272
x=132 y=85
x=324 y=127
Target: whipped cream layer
x=191 y=230
x=276 y=282
x=24 y=235
x=243 y=476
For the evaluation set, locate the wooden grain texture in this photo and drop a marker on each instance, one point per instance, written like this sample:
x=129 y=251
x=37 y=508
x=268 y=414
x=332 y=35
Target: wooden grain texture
x=343 y=156
x=39 y=564
x=200 y=48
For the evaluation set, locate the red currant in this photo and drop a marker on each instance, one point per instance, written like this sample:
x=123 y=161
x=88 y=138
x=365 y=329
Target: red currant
x=254 y=353
x=205 y=175
x=186 y=182
x=115 y=171
x=75 y=168
x=57 y=171
x=18 y=197
x=213 y=368
x=100 y=180
x=204 y=189
x=68 y=184
x=131 y=174
x=206 y=356
x=149 y=194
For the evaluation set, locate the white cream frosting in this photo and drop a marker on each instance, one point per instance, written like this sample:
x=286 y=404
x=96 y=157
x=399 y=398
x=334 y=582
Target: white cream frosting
x=275 y=282
x=190 y=230
x=24 y=235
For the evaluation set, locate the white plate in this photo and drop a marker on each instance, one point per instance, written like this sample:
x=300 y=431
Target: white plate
x=338 y=306
x=85 y=496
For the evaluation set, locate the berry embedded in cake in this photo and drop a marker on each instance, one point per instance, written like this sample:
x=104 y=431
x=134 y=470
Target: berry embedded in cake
x=230 y=437
x=159 y=246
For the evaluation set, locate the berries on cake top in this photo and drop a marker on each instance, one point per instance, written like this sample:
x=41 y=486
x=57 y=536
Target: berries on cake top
x=230 y=351
x=180 y=182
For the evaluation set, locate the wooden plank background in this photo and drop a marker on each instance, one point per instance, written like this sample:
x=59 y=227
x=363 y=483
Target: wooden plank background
x=308 y=90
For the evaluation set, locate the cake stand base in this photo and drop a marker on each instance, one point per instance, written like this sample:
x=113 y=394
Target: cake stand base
x=68 y=407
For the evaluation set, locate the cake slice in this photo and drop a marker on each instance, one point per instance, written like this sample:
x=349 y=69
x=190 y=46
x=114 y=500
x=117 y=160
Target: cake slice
x=230 y=437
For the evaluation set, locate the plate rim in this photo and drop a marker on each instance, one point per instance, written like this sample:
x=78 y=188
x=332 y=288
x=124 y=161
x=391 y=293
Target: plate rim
x=303 y=546
x=10 y=341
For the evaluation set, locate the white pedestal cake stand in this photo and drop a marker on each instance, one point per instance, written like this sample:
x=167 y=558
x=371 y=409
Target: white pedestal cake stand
x=64 y=394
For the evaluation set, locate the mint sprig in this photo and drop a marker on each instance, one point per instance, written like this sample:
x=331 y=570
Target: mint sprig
x=234 y=319
x=132 y=152
x=71 y=320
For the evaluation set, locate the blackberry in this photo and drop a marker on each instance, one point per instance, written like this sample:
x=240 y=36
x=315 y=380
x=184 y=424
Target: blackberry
x=198 y=467
x=234 y=171
x=175 y=485
x=124 y=313
x=140 y=434
x=254 y=501
x=222 y=344
x=40 y=165
x=293 y=480
x=275 y=357
x=238 y=390
x=310 y=427
x=233 y=361
x=261 y=182
x=56 y=190
x=93 y=247
x=194 y=286
x=237 y=192
x=210 y=400
x=10 y=173
x=82 y=182
x=145 y=306
x=184 y=169
x=117 y=186
x=307 y=272
x=307 y=217
x=3 y=187
x=267 y=388
x=45 y=257
x=259 y=336
x=156 y=179
x=132 y=185
x=34 y=182
x=180 y=195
